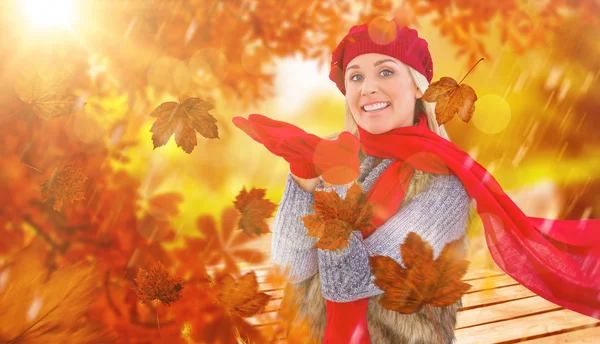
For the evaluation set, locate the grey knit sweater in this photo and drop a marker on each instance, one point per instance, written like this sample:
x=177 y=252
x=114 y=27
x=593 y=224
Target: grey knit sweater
x=439 y=215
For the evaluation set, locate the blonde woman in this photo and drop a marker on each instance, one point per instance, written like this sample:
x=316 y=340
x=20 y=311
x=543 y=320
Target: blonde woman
x=419 y=182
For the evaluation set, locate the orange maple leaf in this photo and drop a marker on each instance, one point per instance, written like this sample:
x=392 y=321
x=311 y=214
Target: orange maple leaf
x=241 y=298
x=46 y=86
x=65 y=184
x=452 y=99
x=423 y=281
x=224 y=314
x=183 y=120
x=226 y=245
x=335 y=218
x=254 y=210
x=157 y=285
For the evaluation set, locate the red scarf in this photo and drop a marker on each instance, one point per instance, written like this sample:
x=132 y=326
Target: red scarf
x=558 y=260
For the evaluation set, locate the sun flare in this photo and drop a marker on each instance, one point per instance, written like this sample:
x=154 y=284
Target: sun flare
x=46 y=14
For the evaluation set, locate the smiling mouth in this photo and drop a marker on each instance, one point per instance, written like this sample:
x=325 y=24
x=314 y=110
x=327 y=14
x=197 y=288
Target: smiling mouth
x=376 y=109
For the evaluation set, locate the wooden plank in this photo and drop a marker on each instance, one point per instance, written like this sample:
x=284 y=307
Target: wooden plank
x=484 y=291
x=471 y=299
x=472 y=302
x=503 y=311
x=493 y=296
x=583 y=336
x=514 y=329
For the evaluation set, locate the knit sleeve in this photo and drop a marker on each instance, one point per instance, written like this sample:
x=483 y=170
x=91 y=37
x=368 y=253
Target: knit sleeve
x=290 y=247
x=439 y=215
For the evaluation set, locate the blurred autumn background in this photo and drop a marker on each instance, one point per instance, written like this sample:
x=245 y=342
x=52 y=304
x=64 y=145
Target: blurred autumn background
x=97 y=201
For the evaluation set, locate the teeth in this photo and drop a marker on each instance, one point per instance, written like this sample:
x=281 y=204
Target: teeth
x=377 y=106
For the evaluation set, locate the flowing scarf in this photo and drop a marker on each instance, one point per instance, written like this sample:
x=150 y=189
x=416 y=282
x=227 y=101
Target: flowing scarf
x=558 y=260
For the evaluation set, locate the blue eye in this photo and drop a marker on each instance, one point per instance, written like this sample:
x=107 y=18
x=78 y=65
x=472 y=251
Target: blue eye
x=387 y=70
x=352 y=77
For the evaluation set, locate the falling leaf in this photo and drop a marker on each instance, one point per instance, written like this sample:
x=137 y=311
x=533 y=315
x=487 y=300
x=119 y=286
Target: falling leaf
x=452 y=99
x=241 y=298
x=230 y=303
x=42 y=307
x=254 y=211
x=66 y=184
x=47 y=88
x=157 y=285
x=183 y=120
x=335 y=218
x=424 y=280
x=226 y=245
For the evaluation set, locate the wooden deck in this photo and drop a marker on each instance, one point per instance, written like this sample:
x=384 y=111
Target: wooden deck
x=497 y=309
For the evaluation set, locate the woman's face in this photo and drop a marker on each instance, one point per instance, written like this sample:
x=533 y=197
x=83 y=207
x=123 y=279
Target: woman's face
x=380 y=92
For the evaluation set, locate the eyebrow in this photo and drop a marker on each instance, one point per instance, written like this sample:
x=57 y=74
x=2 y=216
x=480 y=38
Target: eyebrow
x=374 y=65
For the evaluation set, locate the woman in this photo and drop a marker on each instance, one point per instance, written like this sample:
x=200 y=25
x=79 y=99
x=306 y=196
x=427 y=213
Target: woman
x=374 y=80
x=420 y=182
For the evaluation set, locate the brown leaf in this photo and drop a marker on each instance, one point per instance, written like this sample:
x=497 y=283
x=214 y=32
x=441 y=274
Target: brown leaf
x=183 y=120
x=335 y=218
x=223 y=317
x=226 y=245
x=423 y=281
x=452 y=99
x=157 y=285
x=241 y=298
x=254 y=211
x=47 y=87
x=66 y=184
x=42 y=307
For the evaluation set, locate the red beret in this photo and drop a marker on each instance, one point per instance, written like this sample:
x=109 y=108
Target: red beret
x=403 y=44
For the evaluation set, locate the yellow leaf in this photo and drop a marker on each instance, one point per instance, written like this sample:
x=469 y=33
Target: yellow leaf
x=183 y=120
x=47 y=88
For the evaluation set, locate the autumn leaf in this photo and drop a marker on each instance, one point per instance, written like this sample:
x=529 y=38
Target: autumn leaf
x=230 y=302
x=47 y=88
x=226 y=245
x=157 y=285
x=452 y=99
x=335 y=218
x=254 y=210
x=183 y=120
x=241 y=298
x=65 y=184
x=42 y=307
x=424 y=280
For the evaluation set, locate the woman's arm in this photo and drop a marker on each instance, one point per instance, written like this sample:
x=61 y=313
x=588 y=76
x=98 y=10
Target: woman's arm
x=290 y=247
x=439 y=215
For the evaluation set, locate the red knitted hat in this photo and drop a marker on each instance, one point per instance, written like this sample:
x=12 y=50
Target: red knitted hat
x=386 y=38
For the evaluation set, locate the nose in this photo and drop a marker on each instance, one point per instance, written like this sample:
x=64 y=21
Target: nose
x=369 y=86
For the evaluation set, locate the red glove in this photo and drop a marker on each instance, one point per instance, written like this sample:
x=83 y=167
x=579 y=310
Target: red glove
x=272 y=134
x=308 y=155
